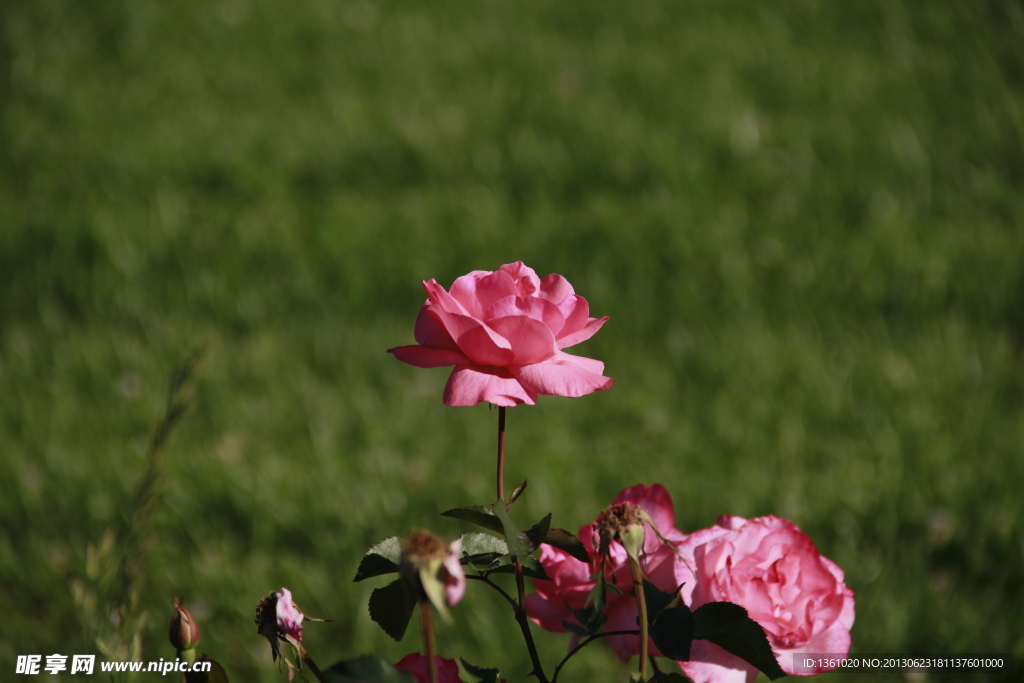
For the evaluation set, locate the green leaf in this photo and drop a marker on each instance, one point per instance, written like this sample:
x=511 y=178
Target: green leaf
x=518 y=492
x=382 y=558
x=366 y=669
x=565 y=541
x=480 y=673
x=672 y=632
x=392 y=606
x=657 y=600
x=589 y=617
x=538 y=532
x=481 y=550
x=518 y=543
x=477 y=514
x=662 y=677
x=730 y=627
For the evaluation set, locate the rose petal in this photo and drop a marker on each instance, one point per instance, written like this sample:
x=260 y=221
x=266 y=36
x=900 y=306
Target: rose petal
x=588 y=331
x=560 y=378
x=711 y=664
x=429 y=333
x=532 y=307
x=555 y=288
x=422 y=357
x=455 y=583
x=525 y=277
x=477 y=292
x=481 y=344
x=531 y=340
x=595 y=366
x=416 y=666
x=468 y=385
x=437 y=295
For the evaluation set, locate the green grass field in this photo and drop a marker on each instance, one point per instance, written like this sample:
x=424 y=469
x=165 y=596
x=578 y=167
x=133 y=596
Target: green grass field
x=805 y=220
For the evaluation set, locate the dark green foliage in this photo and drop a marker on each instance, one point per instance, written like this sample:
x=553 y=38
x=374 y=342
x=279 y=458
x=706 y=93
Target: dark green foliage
x=729 y=627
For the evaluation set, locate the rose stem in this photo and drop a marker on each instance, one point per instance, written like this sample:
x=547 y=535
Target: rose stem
x=428 y=636
x=501 y=452
x=520 y=605
x=311 y=665
x=641 y=603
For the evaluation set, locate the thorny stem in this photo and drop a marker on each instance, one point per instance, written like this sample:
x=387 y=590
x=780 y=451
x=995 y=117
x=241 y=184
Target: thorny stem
x=428 y=636
x=641 y=603
x=501 y=452
x=524 y=623
x=588 y=641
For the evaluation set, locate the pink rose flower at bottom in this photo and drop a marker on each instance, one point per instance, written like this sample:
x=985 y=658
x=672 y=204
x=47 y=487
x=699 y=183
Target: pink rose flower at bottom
x=771 y=568
x=416 y=665
x=571 y=579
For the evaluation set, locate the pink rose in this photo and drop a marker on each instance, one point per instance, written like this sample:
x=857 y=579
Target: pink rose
x=571 y=579
x=416 y=665
x=504 y=332
x=771 y=568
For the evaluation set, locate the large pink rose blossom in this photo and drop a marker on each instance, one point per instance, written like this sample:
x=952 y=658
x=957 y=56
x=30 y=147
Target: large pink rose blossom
x=504 y=332
x=416 y=665
x=571 y=580
x=771 y=568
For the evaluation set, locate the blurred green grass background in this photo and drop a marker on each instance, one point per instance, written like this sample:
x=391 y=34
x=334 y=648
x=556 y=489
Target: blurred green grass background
x=804 y=219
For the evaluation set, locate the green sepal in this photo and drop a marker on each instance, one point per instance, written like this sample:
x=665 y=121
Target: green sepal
x=381 y=559
x=366 y=669
x=480 y=515
x=392 y=607
x=434 y=588
x=518 y=492
x=538 y=532
x=567 y=542
x=480 y=673
x=728 y=626
x=672 y=632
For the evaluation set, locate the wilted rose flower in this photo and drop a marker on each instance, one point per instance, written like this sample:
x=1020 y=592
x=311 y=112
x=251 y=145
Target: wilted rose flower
x=428 y=559
x=416 y=665
x=771 y=568
x=184 y=632
x=571 y=580
x=504 y=332
x=277 y=617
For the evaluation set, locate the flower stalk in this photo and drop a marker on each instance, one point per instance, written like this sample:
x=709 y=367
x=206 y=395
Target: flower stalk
x=641 y=604
x=428 y=639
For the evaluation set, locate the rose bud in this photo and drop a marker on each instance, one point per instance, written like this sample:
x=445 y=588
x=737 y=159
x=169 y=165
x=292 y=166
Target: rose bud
x=184 y=633
x=434 y=567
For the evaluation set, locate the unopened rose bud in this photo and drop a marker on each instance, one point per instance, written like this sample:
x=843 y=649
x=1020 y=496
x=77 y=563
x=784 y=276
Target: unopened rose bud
x=184 y=633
